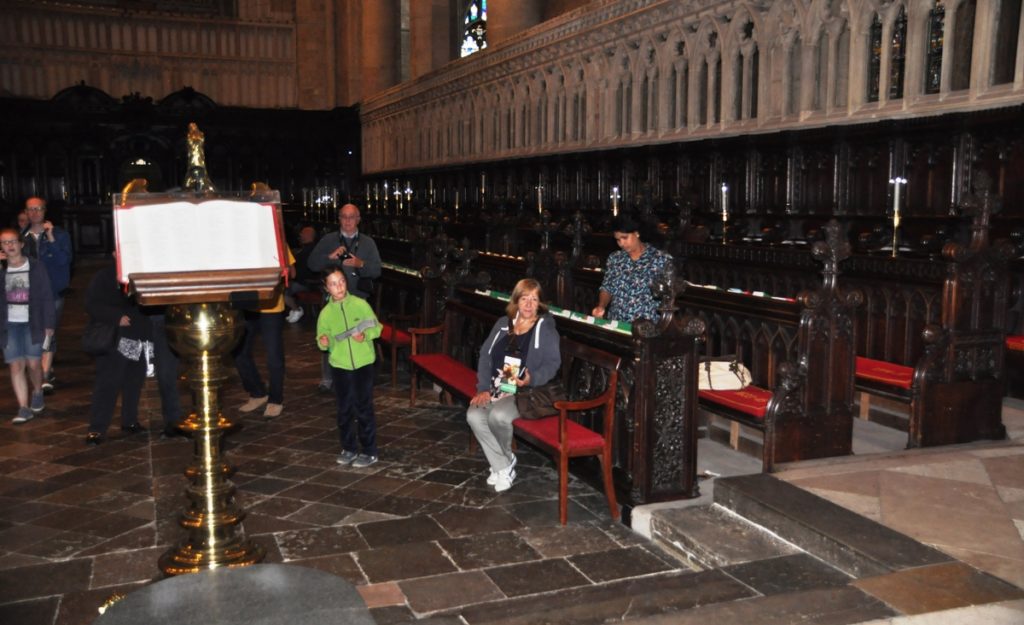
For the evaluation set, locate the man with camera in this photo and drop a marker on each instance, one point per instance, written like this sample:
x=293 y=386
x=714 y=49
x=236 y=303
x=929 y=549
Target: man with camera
x=355 y=253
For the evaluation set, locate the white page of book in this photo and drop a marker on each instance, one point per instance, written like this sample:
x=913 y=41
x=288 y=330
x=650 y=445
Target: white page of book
x=185 y=236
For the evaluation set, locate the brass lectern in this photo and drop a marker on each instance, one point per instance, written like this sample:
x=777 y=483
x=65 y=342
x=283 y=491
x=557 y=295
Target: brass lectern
x=198 y=253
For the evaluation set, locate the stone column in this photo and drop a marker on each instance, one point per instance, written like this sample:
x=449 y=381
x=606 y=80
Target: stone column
x=508 y=18
x=380 y=45
x=431 y=35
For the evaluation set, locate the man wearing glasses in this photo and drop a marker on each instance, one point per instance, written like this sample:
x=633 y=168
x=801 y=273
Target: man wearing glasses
x=50 y=245
x=355 y=253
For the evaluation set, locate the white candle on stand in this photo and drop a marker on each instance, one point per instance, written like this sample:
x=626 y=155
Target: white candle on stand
x=725 y=202
x=540 y=199
x=615 y=201
x=898 y=182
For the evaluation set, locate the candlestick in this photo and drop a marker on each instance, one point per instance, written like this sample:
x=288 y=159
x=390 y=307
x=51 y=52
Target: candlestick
x=540 y=199
x=615 y=201
x=898 y=181
x=456 y=206
x=725 y=202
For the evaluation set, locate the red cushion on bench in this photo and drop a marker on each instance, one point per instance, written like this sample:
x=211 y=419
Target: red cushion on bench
x=1015 y=343
x=389 y=333
x=449 y=371
x=546 y=430
x=885 y=372
x=752 y=400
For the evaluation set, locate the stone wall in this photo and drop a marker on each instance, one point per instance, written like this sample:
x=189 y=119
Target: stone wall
x=619 y=73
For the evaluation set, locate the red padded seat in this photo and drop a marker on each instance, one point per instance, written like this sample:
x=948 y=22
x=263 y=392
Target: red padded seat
x=448 y=371
x=885 y=372
x=1015 y=343
x=546 y=431
x=752 y=400
x=390 y=334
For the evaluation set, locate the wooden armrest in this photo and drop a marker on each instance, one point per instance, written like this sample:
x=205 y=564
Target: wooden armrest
x=584 y=404
x=416 y=332
x=424 y=331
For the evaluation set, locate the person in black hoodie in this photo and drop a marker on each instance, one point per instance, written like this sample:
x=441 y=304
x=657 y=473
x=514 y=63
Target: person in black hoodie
x=122 y=370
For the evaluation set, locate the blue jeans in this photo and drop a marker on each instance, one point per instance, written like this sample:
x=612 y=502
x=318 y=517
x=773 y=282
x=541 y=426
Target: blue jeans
x=353 y=393
x=270 y=326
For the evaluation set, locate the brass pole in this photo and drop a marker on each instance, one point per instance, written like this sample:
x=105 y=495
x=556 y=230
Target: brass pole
x=203 y=335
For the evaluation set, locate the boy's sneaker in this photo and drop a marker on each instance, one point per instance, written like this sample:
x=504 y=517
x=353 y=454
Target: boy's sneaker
x=347 y=457
x=47 y=388
x=492 y=479
x=37 y=404
x=504 y=480
x=24 y=414
x=362 y=461
x=295 y=315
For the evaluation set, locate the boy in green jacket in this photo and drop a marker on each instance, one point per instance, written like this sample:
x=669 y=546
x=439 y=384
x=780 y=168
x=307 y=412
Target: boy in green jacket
x=346 y=329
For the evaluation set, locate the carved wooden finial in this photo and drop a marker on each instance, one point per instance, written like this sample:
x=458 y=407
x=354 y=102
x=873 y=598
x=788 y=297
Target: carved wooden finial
x=832 y=251
x=665 y=288
x=981 y=205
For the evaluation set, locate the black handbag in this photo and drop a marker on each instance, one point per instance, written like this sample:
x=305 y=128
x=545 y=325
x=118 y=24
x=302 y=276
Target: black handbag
x=99 y=338
x=535 y=402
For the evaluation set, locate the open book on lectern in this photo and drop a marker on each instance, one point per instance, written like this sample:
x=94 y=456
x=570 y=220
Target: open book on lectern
x=183 y=236
x=184 y=248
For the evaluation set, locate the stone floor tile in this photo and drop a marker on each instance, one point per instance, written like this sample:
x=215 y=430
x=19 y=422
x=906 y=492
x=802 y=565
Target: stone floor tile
x=309 y=543
x=445 y=592
x=44 y=580
x=556 y=541
x=382 y=595
x=536 y=577
x=343 y=565
x=488 y=550
x=604 y=566
x=114 y=569
x=937 y=587
x=323 y=514
x=464 y=521
x=407 y=561
x=401 y=531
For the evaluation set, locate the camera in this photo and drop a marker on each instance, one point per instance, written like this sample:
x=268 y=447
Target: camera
x=345 y=256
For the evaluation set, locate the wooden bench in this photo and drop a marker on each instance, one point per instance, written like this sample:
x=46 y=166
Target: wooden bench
x=805 y=408
x=1015 y=366
x=584 y=424
x=955 y=388
x=452 y=363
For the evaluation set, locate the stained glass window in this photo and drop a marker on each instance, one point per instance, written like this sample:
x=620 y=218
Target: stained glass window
x=874 y=57
x=474 y=36
x=898 y=55
x=933 y=67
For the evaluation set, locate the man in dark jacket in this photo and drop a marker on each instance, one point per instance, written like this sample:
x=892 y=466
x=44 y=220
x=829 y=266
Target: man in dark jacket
x=51 y=245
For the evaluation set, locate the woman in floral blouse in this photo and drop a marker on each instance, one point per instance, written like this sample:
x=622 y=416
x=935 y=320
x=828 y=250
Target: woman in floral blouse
x=625 y=293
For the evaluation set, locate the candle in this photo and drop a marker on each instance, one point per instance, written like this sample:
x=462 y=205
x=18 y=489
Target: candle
x=615 y=201
x=898 y=181
x=408 y=192
x=483 y=183
x=725 y=202
x=540 y=199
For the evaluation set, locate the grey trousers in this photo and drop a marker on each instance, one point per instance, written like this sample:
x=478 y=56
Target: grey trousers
x=492 y=426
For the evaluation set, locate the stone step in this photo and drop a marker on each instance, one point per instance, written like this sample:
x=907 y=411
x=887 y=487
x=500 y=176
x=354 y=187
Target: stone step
x=853 y=544
x=707 y=537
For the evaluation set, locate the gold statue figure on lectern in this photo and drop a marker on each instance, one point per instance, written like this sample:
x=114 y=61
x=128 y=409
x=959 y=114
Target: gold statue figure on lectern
x=196 y=178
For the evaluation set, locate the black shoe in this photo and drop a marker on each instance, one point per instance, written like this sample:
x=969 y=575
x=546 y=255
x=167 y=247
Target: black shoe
x=172 y=432
x=47 y=388
x=93 y=438
x=323 y=388
x=134 y=428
